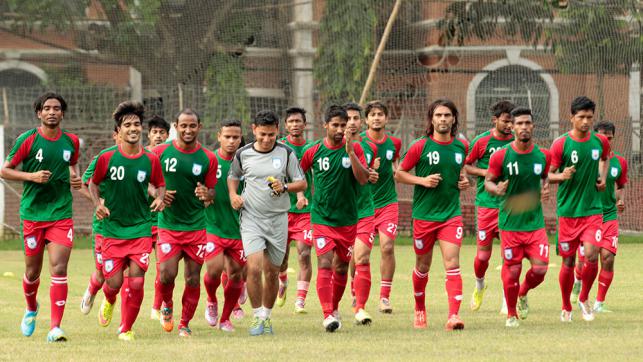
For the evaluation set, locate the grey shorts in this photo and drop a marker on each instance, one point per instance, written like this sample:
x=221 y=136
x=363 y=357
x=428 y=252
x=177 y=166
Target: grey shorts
x=265 y=233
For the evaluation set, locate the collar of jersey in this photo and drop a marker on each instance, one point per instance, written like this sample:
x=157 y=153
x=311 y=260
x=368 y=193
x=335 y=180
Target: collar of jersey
x=141 y=152
x=60 y=132
x=176 y=145
x=333 y=148
x=223 y=156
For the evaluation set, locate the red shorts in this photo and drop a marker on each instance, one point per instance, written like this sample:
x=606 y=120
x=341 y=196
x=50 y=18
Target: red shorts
x=517 y=245
x=572 y=231
x=231 y=247
x=341 y=239
x=116 y=252
x=366 y=230
x=609 y=240
x=155 y=234
x=299 y=228
x=98 y=254
x=425 y=233
x=37 y=233
x=487 y=226
x=386 y=220
x=189 y=243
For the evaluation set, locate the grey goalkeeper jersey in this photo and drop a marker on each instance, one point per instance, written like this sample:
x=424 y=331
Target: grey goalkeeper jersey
x=256 y=167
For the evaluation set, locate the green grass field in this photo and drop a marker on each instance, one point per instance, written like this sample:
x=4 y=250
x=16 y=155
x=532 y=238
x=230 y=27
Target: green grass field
x=615 y=336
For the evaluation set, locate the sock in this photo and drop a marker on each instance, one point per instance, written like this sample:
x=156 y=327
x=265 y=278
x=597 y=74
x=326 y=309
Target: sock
x=231 y=294
x=325 y=290
x=353 y=286
x=453 y=286
x=258 y=312
x=480 y=265
x=590 y=270
x=166 y=294
x=211 y=285
x=30 y=289
x=533 y=278
x=110 y=293
x=566 y=282
x=339 y=286
x=385 y=288
x=578 y=272
x=158 y=299
x=419 y=288
x=94 y=284
x=362 y=283
x=302 y=289
x=283 y=278
x=510 y=277
x=267 y=312
x=224 y=279
x=134 y=300
x=124 y=297
x=189 y=303
x=58 y=297
x=604 y=281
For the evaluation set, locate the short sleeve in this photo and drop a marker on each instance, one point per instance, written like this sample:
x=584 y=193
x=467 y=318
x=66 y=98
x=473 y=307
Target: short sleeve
x=622 y=180
x=607 y=149
x=307 y=159
x=102 y=161
x=236 y=172
x=413 y=155
x=477 y=150
x=359 y=152
x=211 y=176
x=398 y=147
x=90 y=171
x=76 y=144
x=556 y=153
x=547 y=161
x=20 y=150
x=156 y=178
x=495 y=162
x=294 y=171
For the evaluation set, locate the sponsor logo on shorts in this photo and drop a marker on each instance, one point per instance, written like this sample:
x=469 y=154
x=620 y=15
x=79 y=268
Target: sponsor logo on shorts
x=595 y=154
x=66 y=155
x=482 y=235
x=346 y=162
x=166 y=248
x=458 y=158
x=614 y=171
x=140 y=176
x=99 y=258
x=321 y=242
x=598 y=235
x=276 y=162
x=31 y=242
x=538 y=168
x=389 y=154
x=109 y=265
x=209 y=247
x=419 y=243
x=196 y=169
x=509 y=254
x=564 y=247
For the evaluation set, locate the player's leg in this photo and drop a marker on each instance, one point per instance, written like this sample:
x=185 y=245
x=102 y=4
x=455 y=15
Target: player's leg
x=537 y=251
x=420 y=279
x=304 y=276
x=362 y=277
x=157 y=300
x=168 y=269
x=137 y=266
x=487 y=220
x=30 y=284
x=58 y=259
x=453 y=285
x=339 y=279
x=283 y=279
x=578 y=273
x=591 y=238
x=96 y=279
x=273 y=258
x=113 y=267
x=604 y=279
x=191 y=291
x=254 y=284
x=386 y=222
x=325 y=256
x=211 y=280
x=567 y=246
x=234 y=267
x=511 y=268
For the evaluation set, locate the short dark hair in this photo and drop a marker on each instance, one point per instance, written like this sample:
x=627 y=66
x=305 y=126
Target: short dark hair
x=188 y=112
x=266 y=118
x=335 y=111
x=605 y=126
x=520 y=111
x=446 y=103
x=231 y=123
x=504 y=106
x=352 y=106
x=296 y=110
x=582 y=103
x=128 y=108
x=40 y=101
x=375 y=104
x=158 y=122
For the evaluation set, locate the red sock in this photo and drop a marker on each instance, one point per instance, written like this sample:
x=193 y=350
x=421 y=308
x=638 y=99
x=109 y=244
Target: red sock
x=481 y=263
x=224 y=279
x=590 y=270
x=385 y=288
x=339 y=286
x=134 y=300
x=94 y=284
x=58 y=297
x=158 y=299
x=283 y=277
x=189 y=303
x=353 y=286
x=362 y=284
x=125 y=293
x=454 y=290
x=211 y=285
x=30 y=289
x=419 y=289
x=566 y=282
x=533 y=278
x=325 y=290
x=231 y=294
x=510 y=277
x=166 y=294
x=604 y=281
x=110 y=293
x=302 y=289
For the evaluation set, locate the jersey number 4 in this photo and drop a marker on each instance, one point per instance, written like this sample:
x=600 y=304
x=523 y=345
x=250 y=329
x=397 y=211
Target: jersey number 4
x=39 y=155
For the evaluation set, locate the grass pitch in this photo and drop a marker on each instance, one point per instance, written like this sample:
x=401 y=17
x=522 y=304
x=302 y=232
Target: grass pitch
x=615 y=336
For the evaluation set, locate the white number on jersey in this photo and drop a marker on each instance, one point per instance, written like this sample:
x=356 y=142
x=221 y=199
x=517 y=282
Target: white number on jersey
x=434 y=157
x=324 y=164
x=117 y=173
x=39 y=155
x=574 y=156
x=170 y=165
x=493 y=149
x=219 y=172
x=513 y=168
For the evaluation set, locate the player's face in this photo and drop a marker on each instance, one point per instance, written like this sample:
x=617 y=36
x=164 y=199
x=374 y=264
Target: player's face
x=442 y=120
x=583 y=120
x=354 y=123
x=229 y=139
x=295 y=124
x=335 y=129
x=504 y=124
x=130 y=129
x=265 y=136
x=157 y=135
x=51 y=113
x=608 y=134
x=376 y=119
x=187 y=128
x=523 y=127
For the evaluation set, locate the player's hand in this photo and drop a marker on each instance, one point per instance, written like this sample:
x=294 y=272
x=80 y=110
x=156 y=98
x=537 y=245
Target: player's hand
x=277 y=186
x=373 y=176
x=102 y=212
x=75 y=181
x=463 y=182
x=568 y=172
x=349 y=143
x=202 y=192
x=620 y=206
x=544 y=192
x=376 y=163
x=158 y=204
x=169 y=197
x=432 y=181
x=41 y=177
x=301 y=203
x=501 y=189
x=236 y=201
x=600 y=184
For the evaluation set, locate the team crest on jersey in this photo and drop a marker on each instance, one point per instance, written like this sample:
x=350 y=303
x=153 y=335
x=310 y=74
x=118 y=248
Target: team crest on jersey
x=346 y=162
x=166 y=248
x=66 y=155
x=595 y=154
x=419 y=244
x=509 y=254
x=458 y=158
x=482 y=235
x=538 y=168
x=581 y=250
x=31 y=242
x=109 y=265
x=564 y=247
x=99 y=258
x=321 y=242
x=368 y=159
x=389 y=155
x=614 y=171
x=209 y=247
x=196 y=169
x=141 y=175
x=276 y=162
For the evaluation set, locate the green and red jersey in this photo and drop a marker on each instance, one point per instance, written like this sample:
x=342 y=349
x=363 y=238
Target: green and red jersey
x=482 y=147
x=429 y=156
x=52 y=200
x=183 y=170
x=87 y=176
x=299 y=149
x=222 y=219
x=124 y=179
x=365 y=204
x=520 y=208
x=616 y=175
x=388 y=150
x=336 y=189
x=577 y=197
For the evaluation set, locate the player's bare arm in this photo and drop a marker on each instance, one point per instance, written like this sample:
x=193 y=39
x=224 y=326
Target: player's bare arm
x=602 y=172
x=159 y=202
x=302 y=201
x=10 y=173
x=493 y=187
x=544 y=190
x=359 y=171
x=168 y=198
x=101 y=210
x=203 y=193
x=558 y=177
x=235 y=199
x=475 y=171
x=75 y=180
x=463 y=182
x=405 y=177
x=620 y=201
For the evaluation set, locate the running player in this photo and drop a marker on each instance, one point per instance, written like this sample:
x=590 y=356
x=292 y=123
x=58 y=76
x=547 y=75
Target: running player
x=517 y=174
x=579 y=156
x=49 y=158
x=125 y=171
x=483 y=146
x=190 y=173
x=224 y=249
x=265 y=166
x=298 y=215
x=339 y=168
x=384 y=194
x=438 y=159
